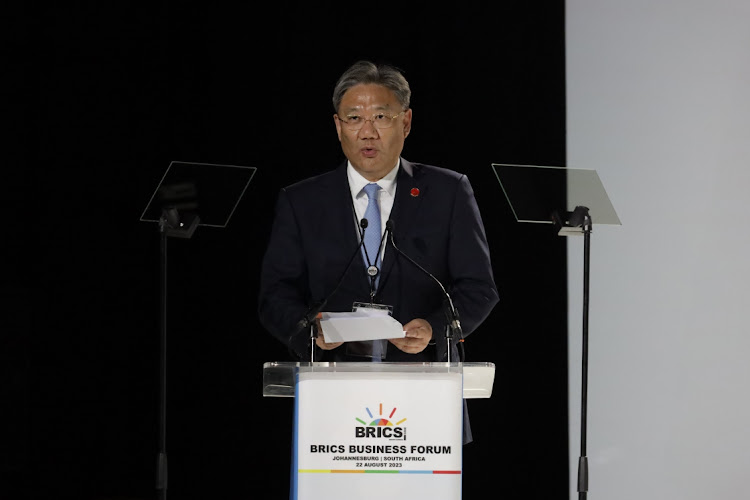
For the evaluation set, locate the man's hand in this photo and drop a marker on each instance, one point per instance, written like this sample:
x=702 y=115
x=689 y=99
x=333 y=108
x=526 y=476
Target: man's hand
x=418 y=335
x=320 y=341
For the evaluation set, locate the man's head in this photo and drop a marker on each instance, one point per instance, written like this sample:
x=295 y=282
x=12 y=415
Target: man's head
x=372 y=116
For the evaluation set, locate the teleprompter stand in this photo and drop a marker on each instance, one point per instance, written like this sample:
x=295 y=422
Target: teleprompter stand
x=189 y=195
x=566 y=198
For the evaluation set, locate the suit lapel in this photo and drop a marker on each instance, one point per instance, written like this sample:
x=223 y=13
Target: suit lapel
x=341 y=222
x=341 y=215
x=409 y=195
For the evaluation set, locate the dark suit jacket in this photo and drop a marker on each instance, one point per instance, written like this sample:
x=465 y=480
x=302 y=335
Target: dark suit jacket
x=436 y=222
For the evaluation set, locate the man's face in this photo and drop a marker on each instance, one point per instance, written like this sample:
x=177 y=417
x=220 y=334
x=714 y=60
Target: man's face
x=372 y=151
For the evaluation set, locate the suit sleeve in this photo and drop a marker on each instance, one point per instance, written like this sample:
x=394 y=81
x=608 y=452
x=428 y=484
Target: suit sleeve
x=284 y=286
x=471 y=282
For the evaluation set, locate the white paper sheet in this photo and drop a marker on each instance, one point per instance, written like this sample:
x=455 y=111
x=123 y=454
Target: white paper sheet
x=363 y=324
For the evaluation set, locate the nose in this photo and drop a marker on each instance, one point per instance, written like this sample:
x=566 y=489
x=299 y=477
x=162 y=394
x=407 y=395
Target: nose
x=368 y=130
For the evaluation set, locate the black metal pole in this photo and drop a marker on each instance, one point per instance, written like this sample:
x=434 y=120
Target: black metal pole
x=161 y=466
x=313 y=339
x=583 y=466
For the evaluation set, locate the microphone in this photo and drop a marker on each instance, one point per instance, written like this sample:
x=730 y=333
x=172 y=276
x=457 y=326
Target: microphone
x=451 y=312
x=314 y=309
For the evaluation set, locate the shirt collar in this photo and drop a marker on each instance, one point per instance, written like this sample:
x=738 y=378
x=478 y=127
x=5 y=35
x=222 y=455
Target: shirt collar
x=357 y=182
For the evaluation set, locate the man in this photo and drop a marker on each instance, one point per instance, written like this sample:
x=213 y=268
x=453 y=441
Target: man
x=313 y=256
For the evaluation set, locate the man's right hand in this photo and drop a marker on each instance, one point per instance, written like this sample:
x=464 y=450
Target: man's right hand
x=320 y=341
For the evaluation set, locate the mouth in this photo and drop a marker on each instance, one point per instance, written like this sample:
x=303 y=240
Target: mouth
x=368 y=152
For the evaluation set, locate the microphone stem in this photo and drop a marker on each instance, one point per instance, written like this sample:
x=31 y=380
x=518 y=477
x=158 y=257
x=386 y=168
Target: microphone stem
x=454 y=325
x=308 y=320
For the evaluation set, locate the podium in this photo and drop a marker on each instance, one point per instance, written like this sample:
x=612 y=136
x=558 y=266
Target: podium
x=367 y=431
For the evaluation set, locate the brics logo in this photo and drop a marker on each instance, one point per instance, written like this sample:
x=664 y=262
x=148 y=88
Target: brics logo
x=381 y=426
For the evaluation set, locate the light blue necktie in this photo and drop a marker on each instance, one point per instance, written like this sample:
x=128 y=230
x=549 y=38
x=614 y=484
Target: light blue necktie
x=372 y=244
x=373 y=231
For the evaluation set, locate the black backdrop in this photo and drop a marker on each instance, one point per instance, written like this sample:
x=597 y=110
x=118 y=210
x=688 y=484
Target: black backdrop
x=119 y=91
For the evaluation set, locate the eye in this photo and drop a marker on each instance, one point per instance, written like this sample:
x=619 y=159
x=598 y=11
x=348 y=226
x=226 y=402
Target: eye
x=353 y=118
x=380 y=118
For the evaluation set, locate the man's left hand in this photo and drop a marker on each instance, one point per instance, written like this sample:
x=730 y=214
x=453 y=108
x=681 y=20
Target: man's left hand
x=418 y=335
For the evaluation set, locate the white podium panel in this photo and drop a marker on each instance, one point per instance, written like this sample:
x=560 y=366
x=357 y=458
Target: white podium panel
x=375 y=435
x=375 y=431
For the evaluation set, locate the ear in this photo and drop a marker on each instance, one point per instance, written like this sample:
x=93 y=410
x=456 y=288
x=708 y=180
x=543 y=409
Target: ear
x=338 y=126
x=407 y=122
